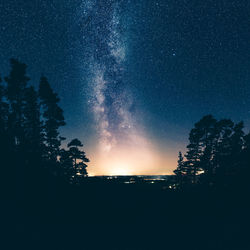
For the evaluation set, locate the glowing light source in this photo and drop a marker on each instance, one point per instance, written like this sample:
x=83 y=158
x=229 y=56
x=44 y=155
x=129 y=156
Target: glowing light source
x=123 y=148
x=119 y=171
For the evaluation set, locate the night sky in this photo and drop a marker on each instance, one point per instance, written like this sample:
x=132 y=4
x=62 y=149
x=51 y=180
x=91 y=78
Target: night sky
x=134 y=75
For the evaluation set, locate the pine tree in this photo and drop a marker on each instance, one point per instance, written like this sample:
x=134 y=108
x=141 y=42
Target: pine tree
x=180 y=171
x=78 y=158
x=32 y=124
x=193 y=155
x=4 y=138
x=66 y=165
x=200 y=152
x=206 y=127
x=237 y=141
x=16 y=87
x=3 y=112
x=222 y=147
x=246 y=154
x=237 y=144
x=53 y=119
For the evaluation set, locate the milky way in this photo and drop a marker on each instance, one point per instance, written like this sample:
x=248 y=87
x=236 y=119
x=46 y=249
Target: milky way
x=104 y=27
x=133 y=76
x=106 y=54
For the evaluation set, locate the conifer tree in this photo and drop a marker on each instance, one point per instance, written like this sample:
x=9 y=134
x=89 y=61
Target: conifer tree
x=222 y=147
x=180 y=171
x=246 y=154
x=3 y=111
x=66 y=165
x=4 y=140
x=217 y=152
x=201 y=147
x=16 y=86
x=32 y=124
x=237 y=141
x=193 y=155
x=53 y=119
x=78 y=158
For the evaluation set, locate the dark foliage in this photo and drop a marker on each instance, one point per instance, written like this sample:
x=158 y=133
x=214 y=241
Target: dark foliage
x=217 y=155
x=74 y=160
x=53 y=118
x=30 y=143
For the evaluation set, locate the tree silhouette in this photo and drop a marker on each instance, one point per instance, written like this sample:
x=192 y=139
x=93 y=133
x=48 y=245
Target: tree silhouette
x=4 y=139
x=66 y=165
x=52 y=119
x=207 y=136
x=32 y=124
x=237 y=142
x=180 y=170
x=193 y=155
x=29 y=133
x=222 y=147
x=3 y=114
x=216 y=153
x=246 y=156
x=16 y=87
x=78 y=158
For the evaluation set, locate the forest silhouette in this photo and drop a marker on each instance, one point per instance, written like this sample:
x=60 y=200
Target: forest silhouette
x=29 y=125
x=204 y=203
x=218 y=155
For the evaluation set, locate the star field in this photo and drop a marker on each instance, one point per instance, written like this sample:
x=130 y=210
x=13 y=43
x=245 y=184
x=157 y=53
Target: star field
x=134 y=74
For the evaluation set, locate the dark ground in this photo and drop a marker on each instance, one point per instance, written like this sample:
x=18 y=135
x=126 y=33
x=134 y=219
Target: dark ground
x=125 y=216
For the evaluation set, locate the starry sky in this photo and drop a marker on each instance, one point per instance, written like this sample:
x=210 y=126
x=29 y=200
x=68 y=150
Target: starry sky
x=134 y=75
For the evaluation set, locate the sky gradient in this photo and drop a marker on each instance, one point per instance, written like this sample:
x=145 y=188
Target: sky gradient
x=134 y=76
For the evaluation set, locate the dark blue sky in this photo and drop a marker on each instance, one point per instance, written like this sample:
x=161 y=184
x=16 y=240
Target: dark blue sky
x=139 y=70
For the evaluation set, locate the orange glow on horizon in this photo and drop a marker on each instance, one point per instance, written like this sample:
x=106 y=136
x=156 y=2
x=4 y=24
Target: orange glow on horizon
x=134 y=156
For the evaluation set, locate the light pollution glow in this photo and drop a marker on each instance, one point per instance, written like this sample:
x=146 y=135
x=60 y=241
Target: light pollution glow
x=123 y=147
x=138 y=156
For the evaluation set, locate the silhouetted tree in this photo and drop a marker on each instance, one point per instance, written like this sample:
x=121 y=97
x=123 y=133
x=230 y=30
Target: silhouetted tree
x=78 y=158
x=66 y=165
x=193 y=155
x=52 y=119
x=222 y=147
x=180 y=170
x=246 y=155
x=82 y=169
x=216 y=153
x=16 y=87
x=228 y=151
x=3 y=114
x=237 y=142
x=4 y=140
x=16 y=81
x=30 y=139
x=32 y=124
